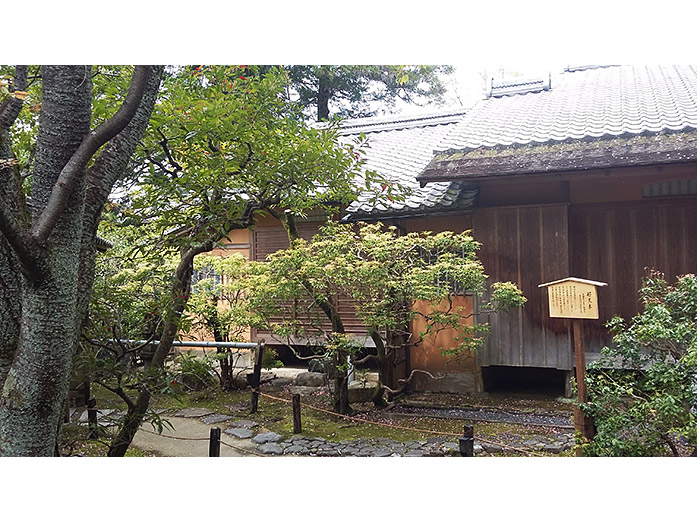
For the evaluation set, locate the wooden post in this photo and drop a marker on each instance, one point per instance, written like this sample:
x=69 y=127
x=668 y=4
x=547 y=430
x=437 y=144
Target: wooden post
x=297 y=424
x=254 y=379
x=467 y=442
x=577 y=299
x=92 y=418
x=582 y=424
x=214 y=445
x=254 y=404
x=257 y=362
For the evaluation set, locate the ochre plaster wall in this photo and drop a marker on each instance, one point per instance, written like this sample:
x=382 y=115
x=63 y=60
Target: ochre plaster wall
x=458 y=375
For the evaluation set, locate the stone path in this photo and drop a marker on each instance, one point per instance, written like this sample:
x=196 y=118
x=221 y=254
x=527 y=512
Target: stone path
x=239 y=437
x=242 y=434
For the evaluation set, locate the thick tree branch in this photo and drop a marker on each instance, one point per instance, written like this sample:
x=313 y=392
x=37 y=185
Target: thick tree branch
x=23 y=245
x=9 y=110
x=70 y=174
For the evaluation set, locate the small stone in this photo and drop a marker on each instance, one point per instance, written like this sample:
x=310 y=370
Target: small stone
x=381 y=453
x=267 y=437
x=240 y=433
x=216 y=418
x=414 y=453
x=270 y=448
x=303 y=391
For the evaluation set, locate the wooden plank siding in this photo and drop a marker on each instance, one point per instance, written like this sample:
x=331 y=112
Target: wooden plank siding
x=267 y=240
x=615 y=243
x=528 y=246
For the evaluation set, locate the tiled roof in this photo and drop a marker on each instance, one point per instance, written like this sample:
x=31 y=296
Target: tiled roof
x=583 y=105
x=399 y=148
x=593 y=103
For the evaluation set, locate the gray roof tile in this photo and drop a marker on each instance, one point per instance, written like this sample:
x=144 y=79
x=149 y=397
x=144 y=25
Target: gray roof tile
x=587 y=104
x=399 y=148
x=611 y=101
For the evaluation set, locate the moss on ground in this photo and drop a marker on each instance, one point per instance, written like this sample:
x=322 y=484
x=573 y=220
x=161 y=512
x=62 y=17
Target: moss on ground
x=368 y=422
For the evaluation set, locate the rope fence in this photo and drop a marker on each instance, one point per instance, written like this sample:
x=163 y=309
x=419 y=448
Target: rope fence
x=355 y=420
x=401 y=427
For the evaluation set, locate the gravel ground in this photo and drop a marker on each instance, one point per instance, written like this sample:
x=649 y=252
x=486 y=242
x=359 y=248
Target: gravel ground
x=484 y=414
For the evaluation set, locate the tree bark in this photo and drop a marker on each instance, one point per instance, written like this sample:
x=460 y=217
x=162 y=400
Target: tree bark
x=35 y=386
x=323 y=96
x=13 y=204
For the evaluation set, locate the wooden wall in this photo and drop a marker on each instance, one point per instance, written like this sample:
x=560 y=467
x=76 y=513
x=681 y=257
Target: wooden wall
x=615 y=243
x=528 y=246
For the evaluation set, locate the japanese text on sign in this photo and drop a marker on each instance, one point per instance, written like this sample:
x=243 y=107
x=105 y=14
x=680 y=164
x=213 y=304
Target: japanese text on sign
x=572 y=299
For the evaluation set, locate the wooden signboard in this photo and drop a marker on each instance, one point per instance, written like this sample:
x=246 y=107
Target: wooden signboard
x=577 y=299
x=573 y=298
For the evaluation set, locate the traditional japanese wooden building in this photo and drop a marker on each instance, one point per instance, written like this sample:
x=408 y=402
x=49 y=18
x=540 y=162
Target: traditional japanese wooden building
x=591 y=173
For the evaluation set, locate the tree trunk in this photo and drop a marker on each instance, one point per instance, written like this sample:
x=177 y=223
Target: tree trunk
x=323 y=96
x=340 y=399
x=379 y=396
x=181 y=289
x=10 y=197
x=37 y=383
x=35 y=386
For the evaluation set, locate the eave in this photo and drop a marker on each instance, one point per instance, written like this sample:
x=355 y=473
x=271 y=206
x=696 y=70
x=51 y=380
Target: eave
x=576 y=155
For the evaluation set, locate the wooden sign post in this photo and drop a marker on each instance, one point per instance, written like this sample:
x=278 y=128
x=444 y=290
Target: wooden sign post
x=576 y=299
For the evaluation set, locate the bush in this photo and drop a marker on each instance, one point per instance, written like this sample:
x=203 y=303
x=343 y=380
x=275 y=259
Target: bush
x=642 y=391
x=195 y=372
x=269 y=359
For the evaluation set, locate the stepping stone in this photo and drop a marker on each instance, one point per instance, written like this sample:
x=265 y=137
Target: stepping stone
x=216 y=418
x=244 y=424
x=240 y=433
x=105 y=418
x=193 y=413
x=270 y=448
x=267 y=437
x=296 y=449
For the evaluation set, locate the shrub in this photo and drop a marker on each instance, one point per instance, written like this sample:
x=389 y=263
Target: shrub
x=195 y=372
x=642 y=391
